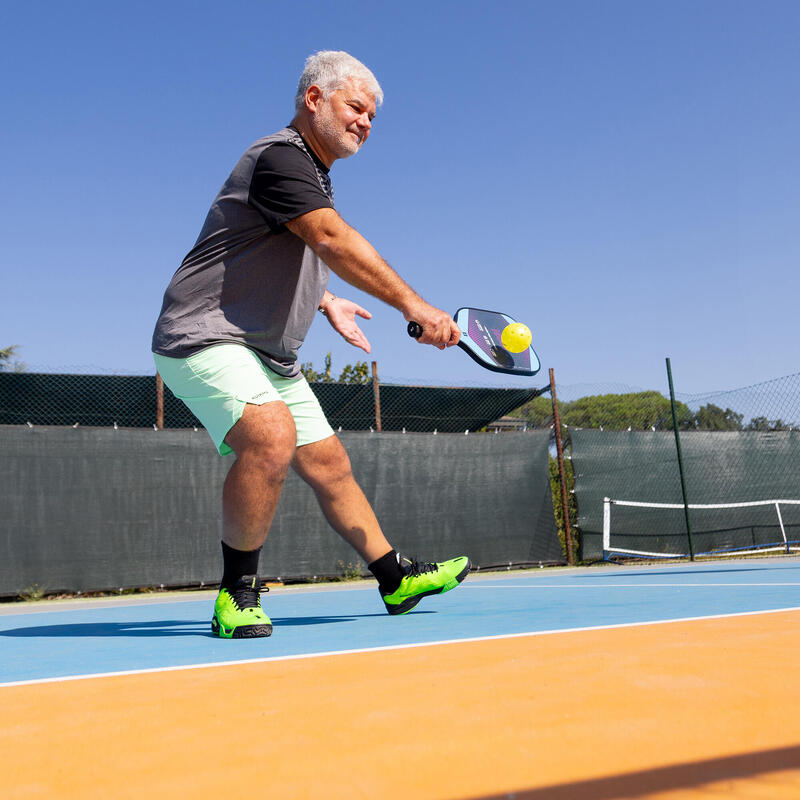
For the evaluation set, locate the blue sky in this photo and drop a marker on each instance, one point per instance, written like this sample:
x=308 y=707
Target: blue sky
x=622 y=175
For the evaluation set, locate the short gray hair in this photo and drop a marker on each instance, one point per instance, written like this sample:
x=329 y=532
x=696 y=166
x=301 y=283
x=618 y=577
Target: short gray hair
x=330 y=70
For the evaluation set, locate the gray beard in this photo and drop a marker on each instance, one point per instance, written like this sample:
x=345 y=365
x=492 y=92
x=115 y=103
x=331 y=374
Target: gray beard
x=338 y=143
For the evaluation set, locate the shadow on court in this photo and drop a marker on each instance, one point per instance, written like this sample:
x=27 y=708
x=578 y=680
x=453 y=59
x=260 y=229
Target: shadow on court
x=662 y=779
x=168 y=628
x=289 y=621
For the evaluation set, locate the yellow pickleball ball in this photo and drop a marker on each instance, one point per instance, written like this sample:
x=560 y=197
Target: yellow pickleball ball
x=516 y=337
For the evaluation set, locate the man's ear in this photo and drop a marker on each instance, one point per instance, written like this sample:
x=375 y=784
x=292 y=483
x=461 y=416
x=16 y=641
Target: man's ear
x=313 y=97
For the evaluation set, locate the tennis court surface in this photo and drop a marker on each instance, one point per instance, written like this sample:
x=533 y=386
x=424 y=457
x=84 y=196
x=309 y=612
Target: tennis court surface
x=668 y=681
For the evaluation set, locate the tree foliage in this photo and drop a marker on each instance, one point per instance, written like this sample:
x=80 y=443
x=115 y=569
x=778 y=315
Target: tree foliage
x=355 y=373
x=640 y=411
x=312 y=376
x=764 y=424
x=537 y=412
x=713 y=418
x=8 y=360
x=352 y=373
x=558 y=508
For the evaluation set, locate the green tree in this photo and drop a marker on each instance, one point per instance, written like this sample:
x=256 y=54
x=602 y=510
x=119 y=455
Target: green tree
x=558 y=508
x=537 y=412
x=352 y=373
x=639 y=411
x=713 y=418
x=356 y=373
x=636 y=410
x=8 y=361
x=763 y=424
x=312 y=376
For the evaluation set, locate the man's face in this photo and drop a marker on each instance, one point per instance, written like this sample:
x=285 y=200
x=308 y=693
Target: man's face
x=343 y=119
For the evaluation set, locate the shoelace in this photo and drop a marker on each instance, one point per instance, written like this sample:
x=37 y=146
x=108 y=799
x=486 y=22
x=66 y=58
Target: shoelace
x=415 y=568
x=247 y=596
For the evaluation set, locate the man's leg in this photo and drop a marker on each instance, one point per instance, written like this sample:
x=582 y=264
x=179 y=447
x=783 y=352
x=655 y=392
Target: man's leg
x=325 y=467
x=239 y=402
x=263 y=440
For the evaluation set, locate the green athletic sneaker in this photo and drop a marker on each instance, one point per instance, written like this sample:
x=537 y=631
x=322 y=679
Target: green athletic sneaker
x=238 y=614
x=422 y=579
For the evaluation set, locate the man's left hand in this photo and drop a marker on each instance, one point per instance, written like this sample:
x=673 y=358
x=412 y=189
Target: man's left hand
x=341 y=314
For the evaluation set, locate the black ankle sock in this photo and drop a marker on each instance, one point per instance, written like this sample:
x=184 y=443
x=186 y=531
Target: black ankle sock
x=387 y=571
x=236 y=563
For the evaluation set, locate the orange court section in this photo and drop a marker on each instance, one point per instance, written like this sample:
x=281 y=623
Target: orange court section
x=701 y=709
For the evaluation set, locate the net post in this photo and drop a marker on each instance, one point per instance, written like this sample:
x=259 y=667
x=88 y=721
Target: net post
x=159 y=402
x=562 y=473
x=680 y=460
x=606 y=526
x=376 y=391
x=780 y=522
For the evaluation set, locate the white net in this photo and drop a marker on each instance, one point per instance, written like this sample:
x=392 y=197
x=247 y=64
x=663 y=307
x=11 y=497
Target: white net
x=638 y=529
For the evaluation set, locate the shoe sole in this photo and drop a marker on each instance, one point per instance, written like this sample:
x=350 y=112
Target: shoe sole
x=241 y=632
x=408 y=605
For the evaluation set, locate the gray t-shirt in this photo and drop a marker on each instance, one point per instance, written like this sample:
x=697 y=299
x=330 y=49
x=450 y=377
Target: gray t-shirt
x=248 y=279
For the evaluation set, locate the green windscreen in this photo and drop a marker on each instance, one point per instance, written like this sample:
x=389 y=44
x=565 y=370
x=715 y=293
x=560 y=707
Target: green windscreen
x=720 y=467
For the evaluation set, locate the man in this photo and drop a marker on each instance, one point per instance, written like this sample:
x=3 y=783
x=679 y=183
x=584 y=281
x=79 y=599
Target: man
x=237 y=311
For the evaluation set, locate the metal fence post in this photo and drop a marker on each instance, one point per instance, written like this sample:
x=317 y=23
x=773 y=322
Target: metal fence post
x=376 y=390
x=680 y=460
x=562 y=473
x=159 y=402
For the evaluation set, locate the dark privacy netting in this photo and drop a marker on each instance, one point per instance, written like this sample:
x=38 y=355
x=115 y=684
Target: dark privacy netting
x=720 y=467
x=739 y=446
x=91 y=509
x=130 y=402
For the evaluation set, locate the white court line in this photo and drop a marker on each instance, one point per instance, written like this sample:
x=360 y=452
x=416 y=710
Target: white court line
x=618 y=585
x=383 y=648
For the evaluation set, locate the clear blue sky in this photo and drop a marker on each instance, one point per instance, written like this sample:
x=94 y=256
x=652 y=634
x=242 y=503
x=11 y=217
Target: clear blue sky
x=622 y=175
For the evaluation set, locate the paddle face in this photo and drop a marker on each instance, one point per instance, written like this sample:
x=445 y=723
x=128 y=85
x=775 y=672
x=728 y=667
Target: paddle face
x=481 y=332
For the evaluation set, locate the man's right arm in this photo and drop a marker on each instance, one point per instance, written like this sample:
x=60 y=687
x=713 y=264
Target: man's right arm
x=356 y=261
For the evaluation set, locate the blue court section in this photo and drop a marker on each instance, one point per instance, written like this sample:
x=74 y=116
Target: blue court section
x=56 y=640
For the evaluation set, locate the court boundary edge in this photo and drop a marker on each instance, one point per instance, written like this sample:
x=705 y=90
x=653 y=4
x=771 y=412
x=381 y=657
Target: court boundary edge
x=384 y=648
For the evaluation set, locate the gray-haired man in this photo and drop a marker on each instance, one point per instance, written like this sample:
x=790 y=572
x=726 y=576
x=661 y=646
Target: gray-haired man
x=235 y=314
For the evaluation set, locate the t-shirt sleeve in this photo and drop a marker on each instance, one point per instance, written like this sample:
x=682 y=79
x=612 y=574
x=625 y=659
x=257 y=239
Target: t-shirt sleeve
x=285 y=185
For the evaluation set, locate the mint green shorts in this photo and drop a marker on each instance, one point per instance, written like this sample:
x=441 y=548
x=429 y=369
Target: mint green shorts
x=218 y=382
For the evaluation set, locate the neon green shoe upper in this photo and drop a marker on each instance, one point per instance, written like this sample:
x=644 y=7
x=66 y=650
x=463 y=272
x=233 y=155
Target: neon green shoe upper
x=423 y=579
x=238 y=613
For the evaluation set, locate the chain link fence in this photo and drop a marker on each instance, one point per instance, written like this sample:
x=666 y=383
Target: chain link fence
x=137 y=401
x=738 y=446
x=733 y=449
x=73 y=454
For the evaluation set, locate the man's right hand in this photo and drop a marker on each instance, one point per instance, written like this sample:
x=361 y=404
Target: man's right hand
x=438 y=327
